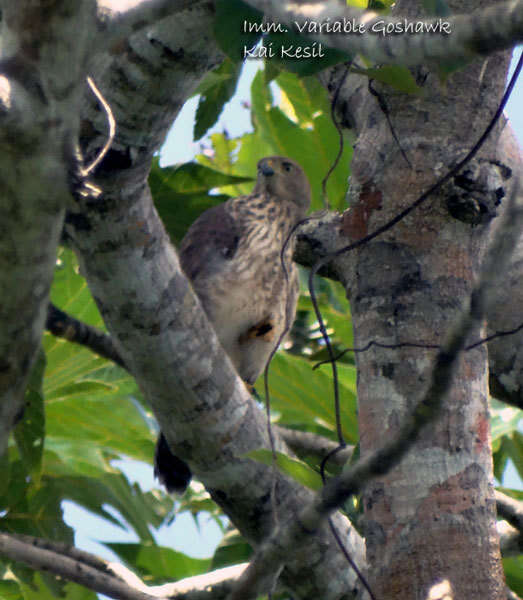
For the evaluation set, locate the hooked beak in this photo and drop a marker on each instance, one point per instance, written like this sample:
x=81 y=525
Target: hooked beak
x=266 y=169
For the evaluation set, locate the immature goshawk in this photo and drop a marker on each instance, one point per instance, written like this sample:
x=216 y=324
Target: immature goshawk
x=232 y=255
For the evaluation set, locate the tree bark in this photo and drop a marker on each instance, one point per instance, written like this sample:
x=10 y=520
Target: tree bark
x=39 y=106
x=432 y=518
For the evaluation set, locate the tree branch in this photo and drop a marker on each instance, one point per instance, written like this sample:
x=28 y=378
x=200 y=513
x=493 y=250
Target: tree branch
x=304 y=444
x=510 y=509
x=113 y=579
x=42 y=77
x=116 y=24
x=511 y=528
x=510 y=539
x=65 y=326
x=215 y=585
x=273 y=554
x=41 y=559
x=488 y=30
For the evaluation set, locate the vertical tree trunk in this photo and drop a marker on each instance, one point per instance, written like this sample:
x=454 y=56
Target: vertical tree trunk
x=431 y=519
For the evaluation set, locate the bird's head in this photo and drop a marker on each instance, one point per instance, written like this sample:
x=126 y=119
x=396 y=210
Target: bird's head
x=282 y=177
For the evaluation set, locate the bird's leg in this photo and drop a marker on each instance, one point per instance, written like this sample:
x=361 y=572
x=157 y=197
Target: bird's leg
x=264 y=330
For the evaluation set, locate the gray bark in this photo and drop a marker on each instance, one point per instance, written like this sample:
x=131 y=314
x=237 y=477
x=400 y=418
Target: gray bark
x=43 y=77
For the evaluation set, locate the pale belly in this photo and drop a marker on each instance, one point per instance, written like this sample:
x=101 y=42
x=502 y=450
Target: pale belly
x=236 y=307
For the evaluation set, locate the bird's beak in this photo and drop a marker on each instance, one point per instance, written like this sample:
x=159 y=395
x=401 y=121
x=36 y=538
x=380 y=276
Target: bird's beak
x=266 y=169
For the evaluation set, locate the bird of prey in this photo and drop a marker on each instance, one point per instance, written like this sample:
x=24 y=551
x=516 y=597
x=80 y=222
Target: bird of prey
x=232 y=254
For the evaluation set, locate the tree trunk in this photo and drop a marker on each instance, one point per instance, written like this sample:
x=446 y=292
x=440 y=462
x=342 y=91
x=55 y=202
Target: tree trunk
x=431 y=519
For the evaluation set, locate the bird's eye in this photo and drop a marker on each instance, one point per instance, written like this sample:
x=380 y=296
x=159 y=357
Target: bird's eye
x=287 y=166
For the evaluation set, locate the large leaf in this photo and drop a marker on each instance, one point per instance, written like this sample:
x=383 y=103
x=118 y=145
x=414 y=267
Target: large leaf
x=182 y=193
x=70 y=291
x=32 y=508
x=89 y=407
x=504 y=420
x=232 y=550
x=10 y=590
x=236 y=27
x=513 y=567
x=156 y=564
x=507 y=441
x=334 y=309
x=40 y=590
x=303 y=396
x=133 y=507
x=215 y=96
x=294 y=468
x=397 y=76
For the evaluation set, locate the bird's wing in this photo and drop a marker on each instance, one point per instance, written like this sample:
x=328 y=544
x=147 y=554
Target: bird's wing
x=212 y=238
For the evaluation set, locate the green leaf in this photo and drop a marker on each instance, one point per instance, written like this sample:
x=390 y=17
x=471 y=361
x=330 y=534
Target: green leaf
x=5 y=468
x=397 y=76
x=306 y=95
x=298 y=470
x=215 y=96
x=517 y=494
x=514 y=449
x=49 y=587
x=70 y=291
x=335 y=311
x=182 y=193
x=31 y=509
x=10 y=590
x=30 y=432
x=81 y=387
x=232 y=21
x=134 y=508
x=303 y=396
x=73 y=411
x=156 y=564
x=232 y=550
x=513 y=567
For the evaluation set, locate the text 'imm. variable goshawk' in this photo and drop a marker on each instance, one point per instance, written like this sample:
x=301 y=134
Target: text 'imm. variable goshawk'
x=232 y=256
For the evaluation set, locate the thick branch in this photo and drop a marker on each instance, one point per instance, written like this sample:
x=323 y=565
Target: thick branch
x=41 y=559
x=510 y=539
x=510 y=509
x=62 y=325
x=215 y=585
x=305 y=444
x=116 y=24
x=494 y=28
x=42 y=76
x=110 y=578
